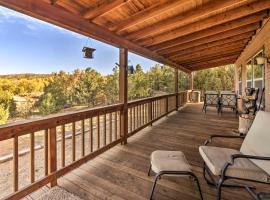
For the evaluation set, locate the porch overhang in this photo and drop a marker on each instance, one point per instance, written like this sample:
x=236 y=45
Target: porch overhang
x=187 y=35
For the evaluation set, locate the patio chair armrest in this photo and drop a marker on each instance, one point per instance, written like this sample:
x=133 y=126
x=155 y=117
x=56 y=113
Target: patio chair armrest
x=209 y=140
x=236 y=156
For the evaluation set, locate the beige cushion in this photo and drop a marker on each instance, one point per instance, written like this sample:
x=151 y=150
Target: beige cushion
x=169 y=161
x=257 y=141
x=216 y=157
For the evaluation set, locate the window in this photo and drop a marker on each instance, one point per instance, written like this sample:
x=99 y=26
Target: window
x=255 y=74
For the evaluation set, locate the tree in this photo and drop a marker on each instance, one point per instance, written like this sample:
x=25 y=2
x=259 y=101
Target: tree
x=56 y=93
x=88 y=90
x=138 y=84
x=4 y=114
x=221 y=78
x=111 y=87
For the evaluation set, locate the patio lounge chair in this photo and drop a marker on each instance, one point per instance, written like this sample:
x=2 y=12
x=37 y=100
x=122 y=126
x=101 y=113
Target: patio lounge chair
x=211 y=98
x=251 y=163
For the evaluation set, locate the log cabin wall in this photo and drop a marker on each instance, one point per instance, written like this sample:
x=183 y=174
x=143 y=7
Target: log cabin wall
x=260 y=41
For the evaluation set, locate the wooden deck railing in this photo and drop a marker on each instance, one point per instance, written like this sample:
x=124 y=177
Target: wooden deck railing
x=88 y=132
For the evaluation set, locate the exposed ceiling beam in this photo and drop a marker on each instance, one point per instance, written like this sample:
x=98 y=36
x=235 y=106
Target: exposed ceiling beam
x=212 y=65
x=210 y=57
x=215 y=33
x=222 y=18
x=217 y=60
x=148 y=13
x=103 y=8
x=70 y=5
x=62 y=18
x=207 y=10
x=209 y=53
x=214 y=46
x=209 y=39
x=205 y=56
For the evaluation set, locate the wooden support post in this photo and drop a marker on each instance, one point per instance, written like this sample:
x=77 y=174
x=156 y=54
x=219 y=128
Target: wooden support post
x=123 y=92
x=52 y=154
x=176 y=78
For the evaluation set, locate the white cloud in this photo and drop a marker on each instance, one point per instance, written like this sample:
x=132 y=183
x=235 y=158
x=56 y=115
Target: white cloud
x=33 y=23
x=31 y=27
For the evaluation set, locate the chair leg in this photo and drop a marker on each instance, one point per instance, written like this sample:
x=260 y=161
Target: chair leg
x=198 y=185
x=149 y=170
x=154 y=186
x=219 y=186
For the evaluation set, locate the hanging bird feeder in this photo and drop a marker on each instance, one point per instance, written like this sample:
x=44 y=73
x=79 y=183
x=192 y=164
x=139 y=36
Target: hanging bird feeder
x=88 y=52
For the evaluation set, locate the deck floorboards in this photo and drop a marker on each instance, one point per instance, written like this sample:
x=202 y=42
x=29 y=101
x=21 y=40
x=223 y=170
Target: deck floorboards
x=121 y=173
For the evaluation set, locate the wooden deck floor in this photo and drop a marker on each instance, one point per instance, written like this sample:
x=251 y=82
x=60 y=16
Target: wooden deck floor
x=121 y=173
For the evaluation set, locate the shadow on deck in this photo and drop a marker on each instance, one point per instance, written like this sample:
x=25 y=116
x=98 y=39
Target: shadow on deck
x=121 y=173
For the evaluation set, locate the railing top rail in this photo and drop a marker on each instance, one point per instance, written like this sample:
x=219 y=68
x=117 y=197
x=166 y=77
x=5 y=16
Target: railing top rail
x=149 y=99
x=28 y=126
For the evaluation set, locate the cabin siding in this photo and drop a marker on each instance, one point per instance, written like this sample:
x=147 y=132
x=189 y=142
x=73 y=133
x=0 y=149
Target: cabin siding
x=260 y=41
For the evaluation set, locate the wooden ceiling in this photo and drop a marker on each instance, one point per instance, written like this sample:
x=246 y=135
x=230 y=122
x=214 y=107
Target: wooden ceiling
x=186 y=34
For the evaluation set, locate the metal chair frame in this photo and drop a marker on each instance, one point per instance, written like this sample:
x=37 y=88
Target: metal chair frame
x=222 y=178
x=214 y=101
x=176 y=173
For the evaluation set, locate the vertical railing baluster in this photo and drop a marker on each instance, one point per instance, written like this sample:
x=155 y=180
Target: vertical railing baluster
x=130 y=119
x=150 y=112
x=98 y=131
x=134 y=118
x=52 y=154
x=115 y=125
x=73 y=141
x=63 y=145
x=167 y=105
x=137 y=117
x=143 y=117
x=105 y=130
x=82 y=138
x=91 y=133
x=110 y=130
x=140 y=115
x=15 y=164
x=46 y=152
x=32 y=157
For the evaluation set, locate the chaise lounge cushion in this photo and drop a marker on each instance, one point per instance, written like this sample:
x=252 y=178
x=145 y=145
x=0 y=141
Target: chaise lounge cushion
x=169 y=161
x=216 y=157
x=257 y=141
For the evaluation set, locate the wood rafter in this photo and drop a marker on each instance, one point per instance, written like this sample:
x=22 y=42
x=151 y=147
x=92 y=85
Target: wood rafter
x=214 y=46
x=219 y=19
x=60 y=17
x=212 y=34
x=148 y=13
x=204 y=41
x=205 y=56
x=103 y=8
x=217 y=60
x=211 y=57
x=213 y=64
x=208 y=10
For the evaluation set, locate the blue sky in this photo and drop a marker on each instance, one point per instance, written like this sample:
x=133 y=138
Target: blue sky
x=28 y=45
